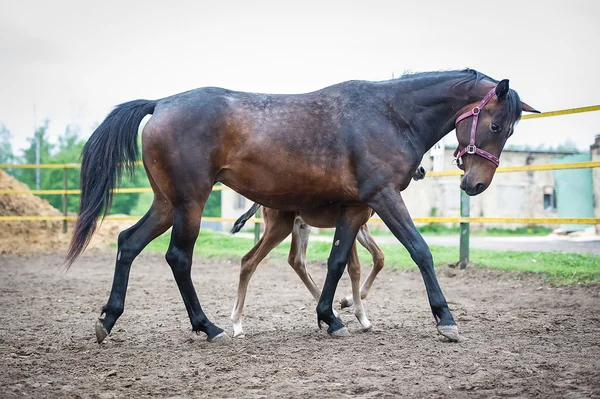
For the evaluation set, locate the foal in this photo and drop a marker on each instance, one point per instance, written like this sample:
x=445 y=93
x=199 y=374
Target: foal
x=279 y=225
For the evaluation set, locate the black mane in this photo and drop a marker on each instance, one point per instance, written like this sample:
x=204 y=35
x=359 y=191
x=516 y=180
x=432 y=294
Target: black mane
x=471 y=78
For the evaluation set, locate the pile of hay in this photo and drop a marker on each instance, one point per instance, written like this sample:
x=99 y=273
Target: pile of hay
x=27 y=237
x=22 y=237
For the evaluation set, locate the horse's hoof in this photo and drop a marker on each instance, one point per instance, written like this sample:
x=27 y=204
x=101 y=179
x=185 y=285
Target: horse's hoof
x=340 y=333
x=450 y=332
x=101 y=332
x=346 y=303
x=220 y=338
x=368 y=328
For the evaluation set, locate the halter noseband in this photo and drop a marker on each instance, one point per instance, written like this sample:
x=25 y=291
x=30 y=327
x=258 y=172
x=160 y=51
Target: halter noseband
x=471 y=148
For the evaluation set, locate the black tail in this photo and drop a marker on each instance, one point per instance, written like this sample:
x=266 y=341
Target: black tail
x=237 y=226
x=110 y=149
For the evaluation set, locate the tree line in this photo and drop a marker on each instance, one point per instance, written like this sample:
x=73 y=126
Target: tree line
x=67 y=149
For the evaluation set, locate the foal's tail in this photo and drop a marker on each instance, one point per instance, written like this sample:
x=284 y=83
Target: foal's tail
x=110 y=149
x=237 y=226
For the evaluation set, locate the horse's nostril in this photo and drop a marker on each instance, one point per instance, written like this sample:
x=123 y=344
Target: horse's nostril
x=479 y=187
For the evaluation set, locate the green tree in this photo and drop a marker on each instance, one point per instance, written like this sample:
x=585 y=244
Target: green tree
x=68 y=150
x=6 y=153
x=28 y=176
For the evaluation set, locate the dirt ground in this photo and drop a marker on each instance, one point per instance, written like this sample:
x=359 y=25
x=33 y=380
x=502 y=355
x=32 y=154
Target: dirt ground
x=522 y=338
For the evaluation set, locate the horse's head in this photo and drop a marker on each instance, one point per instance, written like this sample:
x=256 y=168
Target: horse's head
x=482 y=130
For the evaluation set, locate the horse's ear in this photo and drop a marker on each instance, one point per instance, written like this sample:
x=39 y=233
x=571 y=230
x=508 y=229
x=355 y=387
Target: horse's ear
x=529 y=108
x=502 y=89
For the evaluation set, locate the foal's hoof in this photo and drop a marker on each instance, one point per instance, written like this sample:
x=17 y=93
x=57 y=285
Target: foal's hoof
x=340 y=333
x=450 y=332
x=101 y=332
x=346 y=302
x=221 y=338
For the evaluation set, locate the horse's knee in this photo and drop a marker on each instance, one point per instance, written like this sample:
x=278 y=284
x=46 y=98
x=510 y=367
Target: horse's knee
x=291 y=259
x=298 y=264
x=178 y=260
x=378 y=261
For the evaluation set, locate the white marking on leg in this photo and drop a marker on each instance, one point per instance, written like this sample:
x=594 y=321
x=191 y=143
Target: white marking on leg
x=236 y=319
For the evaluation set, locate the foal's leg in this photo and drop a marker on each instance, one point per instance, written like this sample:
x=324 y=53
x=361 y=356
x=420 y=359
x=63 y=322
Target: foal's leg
x=131 y=242
x=278 y=225
x=348 y=224
x=367 y=241
x=297 y=258
x=354 y=272
x=390 y=207
x=186 y=225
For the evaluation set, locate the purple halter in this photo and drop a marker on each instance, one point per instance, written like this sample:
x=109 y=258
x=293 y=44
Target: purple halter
x=471 y=148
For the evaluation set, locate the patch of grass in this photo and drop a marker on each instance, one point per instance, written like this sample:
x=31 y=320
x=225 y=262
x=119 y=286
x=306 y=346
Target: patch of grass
x=519 y=231
x=557 y=267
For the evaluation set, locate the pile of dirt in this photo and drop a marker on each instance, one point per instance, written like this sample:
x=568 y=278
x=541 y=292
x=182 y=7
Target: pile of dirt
x=28 y=236
x=36 y=236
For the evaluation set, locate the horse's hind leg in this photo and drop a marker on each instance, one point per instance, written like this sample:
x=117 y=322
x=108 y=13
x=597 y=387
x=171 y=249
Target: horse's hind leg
x=186 y=225
x=278 y=225
x=354 y=272
x=297 y=258
x=366 y=239
x=131 y=242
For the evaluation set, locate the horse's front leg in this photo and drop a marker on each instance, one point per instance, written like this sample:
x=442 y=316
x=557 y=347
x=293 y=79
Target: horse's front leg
x=391 y=208
x=348 y=224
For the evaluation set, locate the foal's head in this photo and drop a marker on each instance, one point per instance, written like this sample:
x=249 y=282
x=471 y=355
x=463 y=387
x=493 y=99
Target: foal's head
x=482 y=130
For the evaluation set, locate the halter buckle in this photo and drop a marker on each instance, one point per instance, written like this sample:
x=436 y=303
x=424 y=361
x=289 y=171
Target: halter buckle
x=476 y=111
x=471 y=149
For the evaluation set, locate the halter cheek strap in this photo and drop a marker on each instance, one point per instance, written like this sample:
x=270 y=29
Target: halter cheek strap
x=471 y=148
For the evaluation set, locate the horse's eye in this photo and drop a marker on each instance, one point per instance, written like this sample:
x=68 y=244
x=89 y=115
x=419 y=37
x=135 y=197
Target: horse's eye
x=496 y=128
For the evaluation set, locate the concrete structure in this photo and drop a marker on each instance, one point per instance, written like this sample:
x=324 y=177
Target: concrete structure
x=520 y=194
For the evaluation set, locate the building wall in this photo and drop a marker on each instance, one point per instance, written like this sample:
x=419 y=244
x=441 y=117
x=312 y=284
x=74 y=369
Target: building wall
x=519 y=194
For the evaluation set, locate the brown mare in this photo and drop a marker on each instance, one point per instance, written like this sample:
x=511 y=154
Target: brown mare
x=355 y=144
x=279 y=225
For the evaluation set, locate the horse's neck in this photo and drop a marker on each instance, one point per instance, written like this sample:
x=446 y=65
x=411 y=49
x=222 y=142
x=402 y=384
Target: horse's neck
x=431 y=110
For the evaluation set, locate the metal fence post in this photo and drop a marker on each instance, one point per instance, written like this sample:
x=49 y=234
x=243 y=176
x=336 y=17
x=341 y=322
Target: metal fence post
x=257 y=227
x=65 y=200
x=465 y=211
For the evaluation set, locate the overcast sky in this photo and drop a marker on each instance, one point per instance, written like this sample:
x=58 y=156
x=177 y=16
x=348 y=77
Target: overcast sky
x=72 y=61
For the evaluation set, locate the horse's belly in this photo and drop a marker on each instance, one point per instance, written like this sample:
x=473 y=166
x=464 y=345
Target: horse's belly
x=287 y=189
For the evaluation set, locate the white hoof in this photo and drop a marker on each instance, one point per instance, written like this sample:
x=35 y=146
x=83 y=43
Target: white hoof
x=238 y=331
x=450 y=332
x=220 y=339
x=101 y=332
x=347 y=302
x=341 y=333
